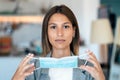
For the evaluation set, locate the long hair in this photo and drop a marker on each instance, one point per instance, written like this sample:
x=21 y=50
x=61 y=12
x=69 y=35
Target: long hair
x=62 y=9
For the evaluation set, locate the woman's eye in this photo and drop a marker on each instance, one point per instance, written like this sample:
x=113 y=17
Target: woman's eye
x=53 y=27
x=66 y=26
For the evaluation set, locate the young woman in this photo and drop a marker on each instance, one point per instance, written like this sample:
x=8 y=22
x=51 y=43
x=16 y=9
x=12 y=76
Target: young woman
x=60 y=38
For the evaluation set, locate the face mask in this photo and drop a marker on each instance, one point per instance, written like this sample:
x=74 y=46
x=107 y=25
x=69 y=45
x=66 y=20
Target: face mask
x=65 y=62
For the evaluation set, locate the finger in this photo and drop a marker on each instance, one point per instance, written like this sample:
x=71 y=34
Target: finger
x=27 y=59
x=31 y=68
x=25 y=71
x=28 y=68
x=95 y=63
x=91 y=70
x=94 y=60
x=91 y=54
x=88 y=68
x=28 y=73
x=25 y=62
x=92 y=57
x=24 y=59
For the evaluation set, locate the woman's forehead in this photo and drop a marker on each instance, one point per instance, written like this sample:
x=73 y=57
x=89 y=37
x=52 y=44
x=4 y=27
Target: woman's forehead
x=58 y=17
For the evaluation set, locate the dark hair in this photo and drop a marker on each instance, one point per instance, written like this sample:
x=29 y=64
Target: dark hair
x=62 y=9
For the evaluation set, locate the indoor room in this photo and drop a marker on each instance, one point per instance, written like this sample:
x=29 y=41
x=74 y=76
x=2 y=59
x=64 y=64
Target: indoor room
x=21 y=32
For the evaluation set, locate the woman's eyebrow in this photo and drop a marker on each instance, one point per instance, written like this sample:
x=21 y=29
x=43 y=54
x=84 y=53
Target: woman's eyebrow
x=67 y=23
x=55 y=24
x=51 y=23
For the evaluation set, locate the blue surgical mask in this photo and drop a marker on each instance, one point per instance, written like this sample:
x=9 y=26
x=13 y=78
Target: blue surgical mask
x=64 y=62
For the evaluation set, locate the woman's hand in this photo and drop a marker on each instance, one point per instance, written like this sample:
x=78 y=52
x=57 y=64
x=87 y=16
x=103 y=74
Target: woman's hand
x=24 y=69
x=96 y=70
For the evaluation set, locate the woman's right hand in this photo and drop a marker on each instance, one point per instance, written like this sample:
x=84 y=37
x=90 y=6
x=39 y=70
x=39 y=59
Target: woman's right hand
x=24 y=69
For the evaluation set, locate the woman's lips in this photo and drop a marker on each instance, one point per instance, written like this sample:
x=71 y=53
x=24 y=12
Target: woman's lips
x=60 y=40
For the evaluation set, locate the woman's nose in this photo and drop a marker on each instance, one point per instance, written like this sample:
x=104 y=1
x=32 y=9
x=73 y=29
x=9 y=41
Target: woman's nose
x=60 y=32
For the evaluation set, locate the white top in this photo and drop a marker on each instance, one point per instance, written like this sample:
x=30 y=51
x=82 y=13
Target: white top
x=60 y=73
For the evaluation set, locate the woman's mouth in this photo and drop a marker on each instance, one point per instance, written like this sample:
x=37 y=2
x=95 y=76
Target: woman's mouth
x=60 y=40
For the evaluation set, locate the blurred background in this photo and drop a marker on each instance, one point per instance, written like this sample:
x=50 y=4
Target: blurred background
x=20 y=31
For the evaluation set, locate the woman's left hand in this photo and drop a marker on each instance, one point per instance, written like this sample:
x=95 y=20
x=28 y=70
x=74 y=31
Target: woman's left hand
x=96 y=70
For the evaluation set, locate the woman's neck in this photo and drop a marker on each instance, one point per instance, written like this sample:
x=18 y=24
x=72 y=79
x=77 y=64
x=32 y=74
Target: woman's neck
x=58 y=53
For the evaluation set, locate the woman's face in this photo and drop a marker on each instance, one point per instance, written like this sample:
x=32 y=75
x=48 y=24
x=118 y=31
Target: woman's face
x=60 y=31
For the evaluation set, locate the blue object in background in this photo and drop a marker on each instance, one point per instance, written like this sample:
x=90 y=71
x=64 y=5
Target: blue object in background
x=38 y=49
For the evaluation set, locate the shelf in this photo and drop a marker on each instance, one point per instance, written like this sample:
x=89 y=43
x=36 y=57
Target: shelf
x=23 y=19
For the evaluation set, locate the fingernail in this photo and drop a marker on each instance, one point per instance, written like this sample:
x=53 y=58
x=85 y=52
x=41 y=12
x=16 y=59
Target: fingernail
x=32 y=64
x=31 y=73
x=29 y=54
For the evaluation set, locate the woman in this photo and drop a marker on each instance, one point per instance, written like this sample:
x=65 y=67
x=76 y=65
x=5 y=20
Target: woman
x=60 y=38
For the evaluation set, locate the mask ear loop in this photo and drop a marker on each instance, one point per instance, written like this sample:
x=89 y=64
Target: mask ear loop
x=85 y=63
x=85 y=57
x=37 y=68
